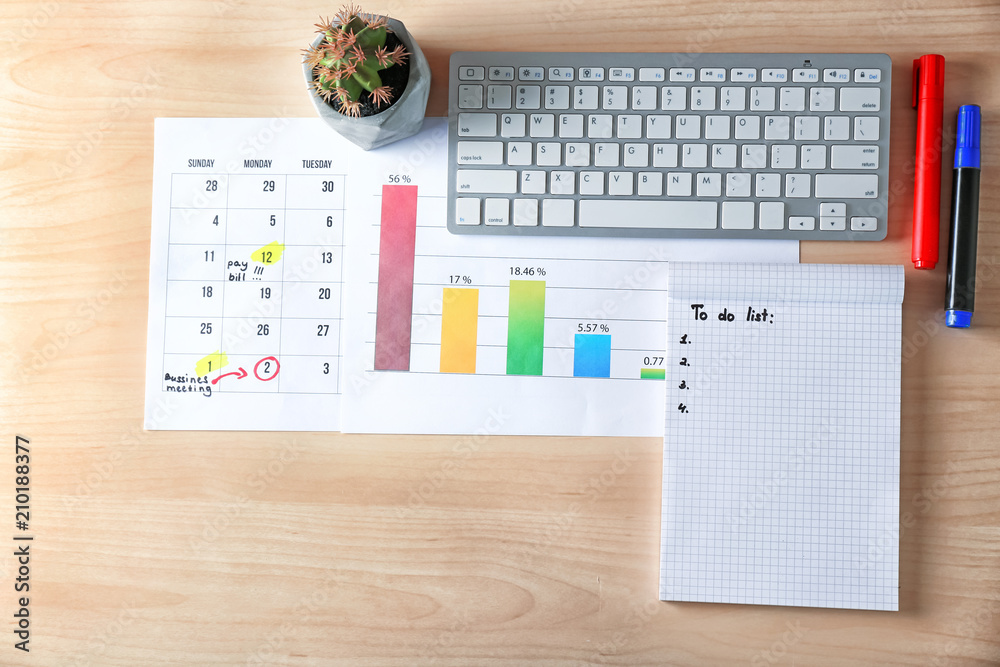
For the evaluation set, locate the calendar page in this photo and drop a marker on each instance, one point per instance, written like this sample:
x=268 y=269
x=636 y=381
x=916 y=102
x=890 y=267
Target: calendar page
x=246 y=269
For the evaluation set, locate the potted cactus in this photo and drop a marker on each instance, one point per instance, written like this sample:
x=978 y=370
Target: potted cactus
x=367 y=77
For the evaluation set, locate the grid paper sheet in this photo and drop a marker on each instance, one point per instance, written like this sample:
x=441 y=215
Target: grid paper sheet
x=781 y=447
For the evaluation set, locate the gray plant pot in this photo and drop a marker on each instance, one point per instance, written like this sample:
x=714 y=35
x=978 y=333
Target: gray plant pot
x=403 y=119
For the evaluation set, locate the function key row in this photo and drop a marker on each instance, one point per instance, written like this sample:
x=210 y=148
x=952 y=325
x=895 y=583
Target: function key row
x=677 y=74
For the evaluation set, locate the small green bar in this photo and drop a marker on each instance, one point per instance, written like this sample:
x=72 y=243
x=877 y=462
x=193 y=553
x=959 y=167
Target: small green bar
x=526 y=327
x=653 y=374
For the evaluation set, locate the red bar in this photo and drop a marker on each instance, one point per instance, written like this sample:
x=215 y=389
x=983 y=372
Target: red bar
x=928 y=98
x=397 y=244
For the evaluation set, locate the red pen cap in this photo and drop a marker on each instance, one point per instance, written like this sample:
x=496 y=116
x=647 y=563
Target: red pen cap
x=928 y=78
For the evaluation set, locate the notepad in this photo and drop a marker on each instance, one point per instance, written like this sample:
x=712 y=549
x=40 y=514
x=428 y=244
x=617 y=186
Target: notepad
x=781 y=446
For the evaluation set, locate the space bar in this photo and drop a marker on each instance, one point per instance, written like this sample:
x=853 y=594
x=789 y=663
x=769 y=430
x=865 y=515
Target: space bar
x=649 y=214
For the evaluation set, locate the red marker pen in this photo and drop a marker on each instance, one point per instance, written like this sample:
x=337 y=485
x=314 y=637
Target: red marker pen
x=928 y=99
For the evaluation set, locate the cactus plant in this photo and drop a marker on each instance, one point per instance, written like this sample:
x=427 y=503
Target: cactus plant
x=346 y=63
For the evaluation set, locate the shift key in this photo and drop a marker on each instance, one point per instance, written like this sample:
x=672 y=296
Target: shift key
x=846 y=186
x=486 y=181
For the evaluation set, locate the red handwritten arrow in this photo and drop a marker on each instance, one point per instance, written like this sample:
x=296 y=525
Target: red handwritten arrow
x=239 y=375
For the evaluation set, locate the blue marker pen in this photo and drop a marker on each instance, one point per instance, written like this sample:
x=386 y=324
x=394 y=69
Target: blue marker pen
x=960 y=294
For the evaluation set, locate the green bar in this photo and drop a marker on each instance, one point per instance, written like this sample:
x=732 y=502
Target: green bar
x=653 y=374
x=525 y=327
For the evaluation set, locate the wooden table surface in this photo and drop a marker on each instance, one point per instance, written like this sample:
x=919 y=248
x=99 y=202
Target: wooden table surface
x=157 y=548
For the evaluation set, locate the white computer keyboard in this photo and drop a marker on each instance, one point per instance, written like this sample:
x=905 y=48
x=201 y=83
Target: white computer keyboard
x=713 y=145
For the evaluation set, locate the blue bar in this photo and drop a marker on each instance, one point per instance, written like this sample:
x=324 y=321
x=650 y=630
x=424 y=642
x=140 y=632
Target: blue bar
x=592 y=356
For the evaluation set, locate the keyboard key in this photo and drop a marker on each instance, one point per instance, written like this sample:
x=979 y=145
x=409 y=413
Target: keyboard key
x=525 y=212
x=486 y=181
x=531 y=74
x=577 y=155
x=499 y=97
x=829 y=224
x=674 y=98
x=665 y=155
x=560 y=74
x=866 y=128
x=783 y=156
x=512 y=125
x=548 y=154
x=867 y=76
x=767 y=185
x=806 y=128
x=615 y=97
x=703 y=98
x=712 y=74
x=717 y=127
x=477 y=124
x=709 y=185
x=805 y=75
x=636 y=155
x=688 y=127
x=657 y=127
x=678 y=184
x=501 y=73
x=694 y=155
x=860 y=99
x=497 y=211
x=833 y=209
x=738 y=185
x=847 y=186
x=558 y=212
x=772 y=215
x=480 y=152
x=813 y=157
x=529 y=97
x=797 y=185
x=557 y=97
x=542 y=125
x=733 y=99
x=803 y=223
x=586 y=97
x=792 y=99
x=571 y=126
x=854 y=157
x=738 y=214
x=471 y=73
x=621 y=74
x=519 y=153
x=761 y=99
x=470 y=97
x=562 y=182
x=599 y=126
x=754 y=156
x=836 y=75
x=836 y=128
x=776 y=128
x=629 y=127
x=724 y=156
x=652 y=74
x=606 y=155
x=684 y=74
x=650 y=184
x=773 y=75
x=592 y=183
x=467 y=210
x=742 y=74
x=644 y=98
x=821 y=99
x=533 y=182
x=748 y=127
x=648 y=213
x=864 y=223
x=620 y=183
x=591 y=73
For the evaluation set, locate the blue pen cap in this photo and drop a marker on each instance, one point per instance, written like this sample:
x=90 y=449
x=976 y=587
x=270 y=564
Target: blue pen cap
x=967 y=142
x=960 y=319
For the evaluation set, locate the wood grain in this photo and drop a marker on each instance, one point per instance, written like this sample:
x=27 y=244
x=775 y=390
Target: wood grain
x=158 y=548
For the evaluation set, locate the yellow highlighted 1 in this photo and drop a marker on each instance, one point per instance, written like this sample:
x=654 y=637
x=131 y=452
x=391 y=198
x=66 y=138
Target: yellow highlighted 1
x=459 y=319
x=269 y=254
x=212 y=362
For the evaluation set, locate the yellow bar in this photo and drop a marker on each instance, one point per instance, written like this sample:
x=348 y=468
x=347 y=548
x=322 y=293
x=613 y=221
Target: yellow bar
x=459 y=322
